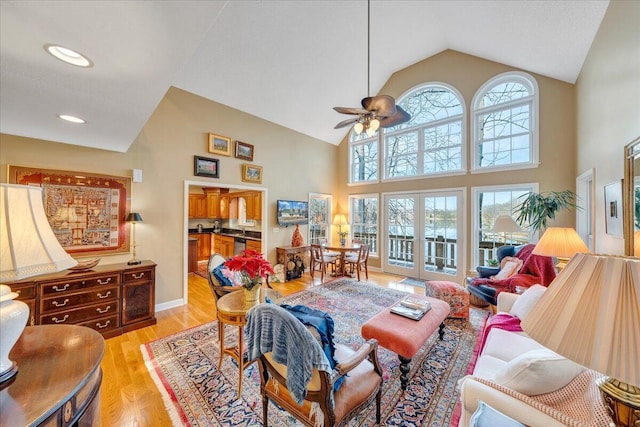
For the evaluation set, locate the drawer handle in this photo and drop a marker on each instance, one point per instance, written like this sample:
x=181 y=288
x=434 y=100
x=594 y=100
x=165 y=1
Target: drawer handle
x=99 y=295
x=137 y=276
x=102 y=326
x=57 y=304
x=64 y=319
x=64 y=288
x=103 y=311
x=100 y=282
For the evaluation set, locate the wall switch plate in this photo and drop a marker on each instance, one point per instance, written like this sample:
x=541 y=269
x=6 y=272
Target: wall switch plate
x=137 y=175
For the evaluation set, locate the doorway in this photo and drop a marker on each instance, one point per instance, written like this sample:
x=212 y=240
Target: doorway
x=423 y=235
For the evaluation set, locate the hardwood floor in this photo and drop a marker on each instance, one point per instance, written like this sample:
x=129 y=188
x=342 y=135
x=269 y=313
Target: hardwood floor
x=129 y=395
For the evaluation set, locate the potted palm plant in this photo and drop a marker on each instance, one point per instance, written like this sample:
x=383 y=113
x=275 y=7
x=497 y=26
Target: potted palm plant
x=537 y=209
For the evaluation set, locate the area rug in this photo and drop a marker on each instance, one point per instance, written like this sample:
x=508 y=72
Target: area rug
x=196 y=393
x=413 y=282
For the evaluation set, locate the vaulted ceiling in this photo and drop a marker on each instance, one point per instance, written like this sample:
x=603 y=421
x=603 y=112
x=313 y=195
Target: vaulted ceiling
x=288 y=62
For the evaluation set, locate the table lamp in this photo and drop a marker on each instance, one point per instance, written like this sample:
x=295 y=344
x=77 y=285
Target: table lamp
x=591 y=314
x=340 y=221
x=505 y=224
x=133 y=218
x=28 y=248
x=562 y=243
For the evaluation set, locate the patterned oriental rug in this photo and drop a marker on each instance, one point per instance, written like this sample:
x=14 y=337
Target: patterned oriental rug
x=196 y=393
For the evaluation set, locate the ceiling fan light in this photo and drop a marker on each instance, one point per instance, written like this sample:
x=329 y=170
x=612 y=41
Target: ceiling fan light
x=370 y=131
x=374 y=125
x=358 y=128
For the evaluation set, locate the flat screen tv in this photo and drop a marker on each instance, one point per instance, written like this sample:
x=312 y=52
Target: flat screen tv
x=291 y=212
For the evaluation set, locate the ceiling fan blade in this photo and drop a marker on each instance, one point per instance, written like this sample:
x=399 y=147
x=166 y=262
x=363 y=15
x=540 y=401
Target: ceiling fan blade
x=347 y=110
x=399 y=117
x=345 y=123
x=382 y=105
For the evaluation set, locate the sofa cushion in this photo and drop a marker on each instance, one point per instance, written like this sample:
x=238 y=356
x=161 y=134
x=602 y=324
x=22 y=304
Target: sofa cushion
x=537 y=372
x=527 y=300
x=506 y=345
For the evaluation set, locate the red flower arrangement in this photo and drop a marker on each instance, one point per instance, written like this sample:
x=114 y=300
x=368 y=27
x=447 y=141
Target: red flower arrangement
x=252 y=267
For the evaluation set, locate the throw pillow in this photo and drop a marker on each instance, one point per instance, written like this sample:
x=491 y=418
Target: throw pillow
x=322 y=323
x=508 y=267
x=538 y=372
x=526 y=301
x=220 y=273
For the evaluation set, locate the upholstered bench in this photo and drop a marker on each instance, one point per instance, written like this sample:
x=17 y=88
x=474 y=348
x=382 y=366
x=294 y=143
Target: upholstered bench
x=405 y=336
x=453 y=294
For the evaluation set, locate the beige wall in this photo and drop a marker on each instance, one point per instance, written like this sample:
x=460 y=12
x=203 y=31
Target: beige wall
x=557 y=169
x=294 y=165
x=608 y=106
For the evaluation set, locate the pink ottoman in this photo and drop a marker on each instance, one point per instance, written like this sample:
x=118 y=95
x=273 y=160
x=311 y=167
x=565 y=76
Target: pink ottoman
x=453 y=294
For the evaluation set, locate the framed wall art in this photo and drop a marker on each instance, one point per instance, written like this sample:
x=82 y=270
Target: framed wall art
x=251 y=173
x=613 y=208
x=219 y=145
x=87 y=211
x=204 y=166
x=244 y=151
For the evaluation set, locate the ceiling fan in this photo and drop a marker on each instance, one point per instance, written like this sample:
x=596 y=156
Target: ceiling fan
x=378 y=111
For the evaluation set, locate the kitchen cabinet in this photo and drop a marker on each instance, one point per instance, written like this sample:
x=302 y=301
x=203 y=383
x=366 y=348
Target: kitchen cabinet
x=254 y=205
x=197 y=206
x=213 y=205
x=204 y=245
x=255 y=245
x=224 y=206
x=193 y=255
x=223 y=245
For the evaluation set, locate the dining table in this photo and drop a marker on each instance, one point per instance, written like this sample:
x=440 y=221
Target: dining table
x=341 y=252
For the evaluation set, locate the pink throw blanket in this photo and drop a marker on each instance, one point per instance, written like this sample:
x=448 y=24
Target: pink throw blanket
x=535 y=269
x=501 y=321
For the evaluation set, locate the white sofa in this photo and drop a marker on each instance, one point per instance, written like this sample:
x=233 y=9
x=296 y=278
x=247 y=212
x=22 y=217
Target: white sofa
x=508 y=379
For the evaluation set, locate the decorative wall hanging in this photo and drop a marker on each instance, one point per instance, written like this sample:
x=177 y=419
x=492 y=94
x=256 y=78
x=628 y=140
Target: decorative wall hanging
x=204 y=166
x=244 y=151
x=219 y=145
x=251 y=173
x=87 y=211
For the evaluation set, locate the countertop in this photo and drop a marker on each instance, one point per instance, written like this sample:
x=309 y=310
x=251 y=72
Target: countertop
x=249 y=235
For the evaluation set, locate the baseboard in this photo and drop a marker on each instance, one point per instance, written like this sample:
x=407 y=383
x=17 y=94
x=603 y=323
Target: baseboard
x=170 y=304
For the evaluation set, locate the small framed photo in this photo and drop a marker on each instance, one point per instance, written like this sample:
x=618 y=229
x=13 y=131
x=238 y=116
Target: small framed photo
x=613 y=208
x=244 y=151
x=251 y=173
x=204 y=166
x=219 y=145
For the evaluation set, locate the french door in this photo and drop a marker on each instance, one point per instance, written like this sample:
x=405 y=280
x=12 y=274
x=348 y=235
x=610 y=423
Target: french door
x=424 y=235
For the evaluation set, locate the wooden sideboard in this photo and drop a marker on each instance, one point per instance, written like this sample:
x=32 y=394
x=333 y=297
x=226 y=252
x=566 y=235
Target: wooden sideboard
x=58 y=380
x=111 y=299
x=295 y=260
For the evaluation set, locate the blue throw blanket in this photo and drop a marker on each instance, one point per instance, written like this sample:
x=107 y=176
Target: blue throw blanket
x=271 y=328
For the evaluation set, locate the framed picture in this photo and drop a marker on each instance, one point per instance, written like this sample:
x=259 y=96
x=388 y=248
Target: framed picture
x=244 y=151
x=204 y=166
x=613 y=208
x=251 y=173
x=219 y=145
x=87 y=211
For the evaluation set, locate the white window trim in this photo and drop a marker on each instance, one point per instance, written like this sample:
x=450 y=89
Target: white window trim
x=329 y=199
x=475 y=222
x=367 y=196
x=534 y=148
x=382 y=152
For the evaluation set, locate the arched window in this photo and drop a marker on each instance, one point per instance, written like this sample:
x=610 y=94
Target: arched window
x=433 y=141
x=505 y=123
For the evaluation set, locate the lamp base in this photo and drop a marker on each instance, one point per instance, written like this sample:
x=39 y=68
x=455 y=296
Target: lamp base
x=622 y=401
x=134 y=262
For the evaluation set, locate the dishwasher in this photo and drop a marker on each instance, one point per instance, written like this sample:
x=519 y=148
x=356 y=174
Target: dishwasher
x=239 y=245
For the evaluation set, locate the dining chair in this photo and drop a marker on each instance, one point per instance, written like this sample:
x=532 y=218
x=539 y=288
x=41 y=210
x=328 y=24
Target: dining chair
x=358 y=261
x=320 y=261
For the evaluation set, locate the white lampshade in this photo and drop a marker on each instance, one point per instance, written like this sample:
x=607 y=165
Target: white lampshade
x=591 y=314
x=28 y=246
x=340 y=219
x=505 y=224
x=560 y=242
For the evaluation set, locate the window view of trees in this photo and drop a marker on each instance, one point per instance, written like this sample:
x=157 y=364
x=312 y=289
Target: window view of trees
x=319 y=218
x=364 y=158
x=364 y=220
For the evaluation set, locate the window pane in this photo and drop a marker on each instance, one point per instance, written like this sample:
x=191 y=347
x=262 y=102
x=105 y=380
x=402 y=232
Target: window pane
x=443 y=149
x=364 y=221
x=504 y=92
x=364 y=161
x=319 y=218
x=402 y=155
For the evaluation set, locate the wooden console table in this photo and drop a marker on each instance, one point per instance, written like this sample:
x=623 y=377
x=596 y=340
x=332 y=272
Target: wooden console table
x=295 y=259
x=112 y=299
x=58 y=380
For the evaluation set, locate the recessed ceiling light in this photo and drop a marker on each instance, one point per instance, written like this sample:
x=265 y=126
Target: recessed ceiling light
x=72 y=119
x=69 y=56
